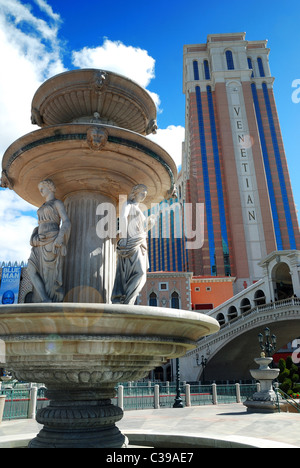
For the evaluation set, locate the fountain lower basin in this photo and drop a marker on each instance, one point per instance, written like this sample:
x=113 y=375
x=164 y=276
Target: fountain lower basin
x=81 y=351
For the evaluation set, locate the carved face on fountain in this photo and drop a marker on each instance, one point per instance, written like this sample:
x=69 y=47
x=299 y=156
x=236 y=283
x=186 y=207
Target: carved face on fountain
x=96 y=138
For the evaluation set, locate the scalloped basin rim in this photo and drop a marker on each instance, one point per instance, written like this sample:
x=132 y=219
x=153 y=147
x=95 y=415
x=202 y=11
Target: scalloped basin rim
x=102 y=319
x=268 y=374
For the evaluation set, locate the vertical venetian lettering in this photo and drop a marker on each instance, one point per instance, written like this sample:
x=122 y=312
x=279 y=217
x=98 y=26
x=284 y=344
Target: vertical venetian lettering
x=241 y=139
x=251 y=215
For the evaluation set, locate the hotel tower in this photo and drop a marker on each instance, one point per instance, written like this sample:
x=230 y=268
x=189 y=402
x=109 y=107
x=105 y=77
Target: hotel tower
x=234 y=160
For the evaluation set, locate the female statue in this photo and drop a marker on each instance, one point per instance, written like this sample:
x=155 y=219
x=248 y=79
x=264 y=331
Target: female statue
x=132 y=264
x=49 y=241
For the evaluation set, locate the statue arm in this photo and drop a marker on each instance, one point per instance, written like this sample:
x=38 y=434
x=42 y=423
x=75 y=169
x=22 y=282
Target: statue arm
x=65 y=227
x=151 y=221
x=123 y=224
x=34 y=237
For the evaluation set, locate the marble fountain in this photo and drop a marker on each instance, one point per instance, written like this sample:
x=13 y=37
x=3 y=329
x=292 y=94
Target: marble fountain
x=82 y=334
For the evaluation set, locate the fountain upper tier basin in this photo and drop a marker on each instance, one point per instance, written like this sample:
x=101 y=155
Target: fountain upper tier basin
x=88 y=157
x=95 y=343
x=79 y=94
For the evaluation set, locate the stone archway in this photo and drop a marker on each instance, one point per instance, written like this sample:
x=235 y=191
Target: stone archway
x=282 y=281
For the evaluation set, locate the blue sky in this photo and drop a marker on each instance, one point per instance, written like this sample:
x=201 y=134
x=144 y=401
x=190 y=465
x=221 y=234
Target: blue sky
x=143 y=40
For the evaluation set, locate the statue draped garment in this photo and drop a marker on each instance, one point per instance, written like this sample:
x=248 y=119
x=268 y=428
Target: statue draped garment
x=132 y=263
x=48 y=264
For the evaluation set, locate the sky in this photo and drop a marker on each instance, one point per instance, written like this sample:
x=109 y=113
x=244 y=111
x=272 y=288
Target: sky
x=141 y=40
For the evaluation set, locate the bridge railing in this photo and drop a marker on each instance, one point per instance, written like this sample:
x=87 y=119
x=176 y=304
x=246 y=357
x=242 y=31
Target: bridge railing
x=292 y=301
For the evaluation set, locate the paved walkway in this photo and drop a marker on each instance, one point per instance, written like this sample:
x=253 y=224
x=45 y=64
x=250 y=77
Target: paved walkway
x=228 y=423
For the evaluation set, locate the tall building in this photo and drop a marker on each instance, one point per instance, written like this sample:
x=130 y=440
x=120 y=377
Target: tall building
x=234 y=159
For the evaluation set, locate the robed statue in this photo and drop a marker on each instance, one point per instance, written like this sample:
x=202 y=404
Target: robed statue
x=132 y=252
x=49 y=247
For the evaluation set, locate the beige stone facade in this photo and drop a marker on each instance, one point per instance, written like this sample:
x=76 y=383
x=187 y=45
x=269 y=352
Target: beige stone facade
x=168 y=289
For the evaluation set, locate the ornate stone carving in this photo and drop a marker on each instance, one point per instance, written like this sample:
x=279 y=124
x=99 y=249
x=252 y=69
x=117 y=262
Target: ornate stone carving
x=152 y=127
x=100 y=80
x=96 y=138
x=36 y=118
x=5 y=181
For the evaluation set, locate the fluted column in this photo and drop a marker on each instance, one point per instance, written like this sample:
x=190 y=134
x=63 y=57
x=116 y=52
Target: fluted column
x=90 y=262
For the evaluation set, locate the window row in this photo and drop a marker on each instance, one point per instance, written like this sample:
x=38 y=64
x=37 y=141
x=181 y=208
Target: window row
x=230 y=66
x=233 y=312
x=205 y=70
x=153 y=300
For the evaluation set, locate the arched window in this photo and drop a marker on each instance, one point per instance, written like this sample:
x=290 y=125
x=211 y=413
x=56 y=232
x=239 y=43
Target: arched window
x=229 y=59
x=175 y=300
x=206 y=70
x=29 y=298
x=221 y=319
x=260 y=67
x=259 y=297
x=232 y=313
x=250 y=66
x=153 y=300
x=282 y=280
x=245 y=305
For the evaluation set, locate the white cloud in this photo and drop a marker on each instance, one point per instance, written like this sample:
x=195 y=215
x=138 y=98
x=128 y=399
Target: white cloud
x=26 y=58
x=48 y=10
x=137 y=65
x=30 y=53
x=16 y=226
x=171 y=139
x=133 y=62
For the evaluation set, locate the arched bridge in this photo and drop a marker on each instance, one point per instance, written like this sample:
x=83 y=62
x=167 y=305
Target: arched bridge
x=230 y=353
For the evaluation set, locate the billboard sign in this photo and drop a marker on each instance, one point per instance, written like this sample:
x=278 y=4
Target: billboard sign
x=10 y=284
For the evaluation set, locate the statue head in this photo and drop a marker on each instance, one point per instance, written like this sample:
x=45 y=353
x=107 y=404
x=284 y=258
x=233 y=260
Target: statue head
x=138 y=193
x=46 y=187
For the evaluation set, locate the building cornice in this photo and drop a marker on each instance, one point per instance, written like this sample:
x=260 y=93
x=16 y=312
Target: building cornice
x=225 y=279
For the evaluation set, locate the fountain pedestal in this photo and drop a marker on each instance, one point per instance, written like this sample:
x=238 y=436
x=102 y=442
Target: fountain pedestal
x=80 y=418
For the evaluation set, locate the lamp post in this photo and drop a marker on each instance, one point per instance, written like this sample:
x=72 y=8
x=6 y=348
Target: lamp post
x=269 y=346
x=203 y=363
x=178 y=400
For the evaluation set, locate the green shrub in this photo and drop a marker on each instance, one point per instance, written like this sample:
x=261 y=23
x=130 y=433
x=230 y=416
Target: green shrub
x=286 y=386
x=289 y=376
